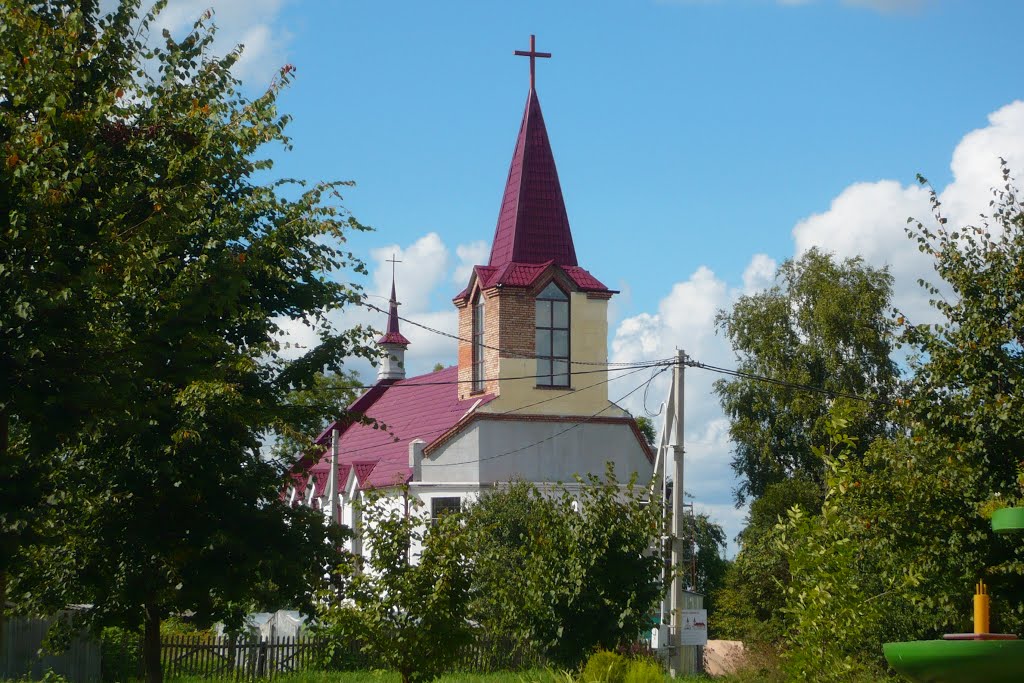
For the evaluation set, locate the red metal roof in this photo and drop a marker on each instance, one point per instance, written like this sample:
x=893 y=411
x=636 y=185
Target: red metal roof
x=423 y=407
x=527 y=274
x=533 y=226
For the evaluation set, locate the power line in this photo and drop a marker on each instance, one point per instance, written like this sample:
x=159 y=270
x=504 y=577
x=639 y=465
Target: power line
x=507 y=352
x=557 y=434
x=783 y=383
x=618 y=367
x=556 y=397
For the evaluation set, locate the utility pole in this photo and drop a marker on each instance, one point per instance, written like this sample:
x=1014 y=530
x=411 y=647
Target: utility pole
x=678 y=517
x=333 y=478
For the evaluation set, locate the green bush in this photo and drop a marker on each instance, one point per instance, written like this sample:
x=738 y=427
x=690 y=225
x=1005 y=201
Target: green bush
x=644 y=671
x=604 y=667
x=120 y=651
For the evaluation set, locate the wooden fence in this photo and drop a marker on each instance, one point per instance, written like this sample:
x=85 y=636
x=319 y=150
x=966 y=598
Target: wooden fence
x=22 y=655
x=244 y=659
x=237 y=658
x=241 y=658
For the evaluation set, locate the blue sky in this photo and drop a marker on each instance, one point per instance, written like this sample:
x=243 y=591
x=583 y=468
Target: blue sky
x=699 y=143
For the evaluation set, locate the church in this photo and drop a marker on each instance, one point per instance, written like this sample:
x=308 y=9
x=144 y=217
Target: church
x=528 y=398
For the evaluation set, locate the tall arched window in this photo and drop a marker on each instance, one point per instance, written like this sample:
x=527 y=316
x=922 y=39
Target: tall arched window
x=552 y=348
x=478 y=343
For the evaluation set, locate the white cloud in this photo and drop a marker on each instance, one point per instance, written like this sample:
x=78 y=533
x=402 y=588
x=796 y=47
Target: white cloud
x=975 y=163
x=252 y=23
x=422 y=277
x=759 y=274
x=869 y=219
x=685 y=319
x=469 y=255
x=424 y=266
x=865 y=219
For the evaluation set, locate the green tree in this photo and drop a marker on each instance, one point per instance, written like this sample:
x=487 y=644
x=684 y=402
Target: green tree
x=567 y=573
x=312 y=408
x=903 y=535
x=501 y=527
x=712 y=566
x=128 y=177
x=410 y=594
x=753 y=591
x=60 y=369
x=648 y=429
x=823 y=324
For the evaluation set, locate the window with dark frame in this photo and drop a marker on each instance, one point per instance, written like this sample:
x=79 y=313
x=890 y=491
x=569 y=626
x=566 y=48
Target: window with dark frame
x=478 y=343
x=552 y=338
x=444 y=505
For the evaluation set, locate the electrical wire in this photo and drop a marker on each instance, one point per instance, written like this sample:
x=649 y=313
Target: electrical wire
x=559 y=395
x=783 y=383
x=508 y=353
x=555 y=435
x=619 y=367
x=660 y=408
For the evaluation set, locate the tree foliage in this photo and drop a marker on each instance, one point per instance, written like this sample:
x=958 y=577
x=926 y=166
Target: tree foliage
x=748 y=605
x=904 y=535
x=824 y=324
x=311 y=409
x=409 y=595
x=566 y=571
x=144 y=275
x=648 y=429
x=710 y=561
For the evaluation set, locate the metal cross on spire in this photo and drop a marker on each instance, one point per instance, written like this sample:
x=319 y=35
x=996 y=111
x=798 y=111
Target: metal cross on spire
x=393 y=260
x=532 y=54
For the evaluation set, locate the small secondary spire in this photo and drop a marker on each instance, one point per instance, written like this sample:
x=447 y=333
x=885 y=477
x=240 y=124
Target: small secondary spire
x=393 y=335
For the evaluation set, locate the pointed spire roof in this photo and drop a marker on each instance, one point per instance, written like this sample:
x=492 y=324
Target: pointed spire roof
x=533 y=226
x=393 y=336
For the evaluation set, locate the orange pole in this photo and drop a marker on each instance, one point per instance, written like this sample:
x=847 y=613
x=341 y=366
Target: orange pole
x=981 y=609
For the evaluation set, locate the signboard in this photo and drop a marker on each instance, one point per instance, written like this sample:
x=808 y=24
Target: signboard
x=694 y=629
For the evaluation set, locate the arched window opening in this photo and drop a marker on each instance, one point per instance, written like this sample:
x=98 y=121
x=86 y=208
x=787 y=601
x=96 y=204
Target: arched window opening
x=552 y=338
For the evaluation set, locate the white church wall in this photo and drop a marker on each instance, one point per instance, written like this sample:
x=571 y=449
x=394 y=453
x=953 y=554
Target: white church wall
x=488 y=451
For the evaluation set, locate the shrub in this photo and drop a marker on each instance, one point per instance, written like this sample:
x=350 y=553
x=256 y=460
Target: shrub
x=644 y=671
x=120 y=654
x=604 y=667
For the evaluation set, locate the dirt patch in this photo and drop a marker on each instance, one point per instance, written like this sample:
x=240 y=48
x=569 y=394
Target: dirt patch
x=723 y=657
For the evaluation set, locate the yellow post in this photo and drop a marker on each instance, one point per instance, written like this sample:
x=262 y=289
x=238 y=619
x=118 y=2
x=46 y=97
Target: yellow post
x=981 y=609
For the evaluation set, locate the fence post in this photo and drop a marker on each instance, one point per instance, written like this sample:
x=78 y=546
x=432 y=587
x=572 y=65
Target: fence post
x=261 y=660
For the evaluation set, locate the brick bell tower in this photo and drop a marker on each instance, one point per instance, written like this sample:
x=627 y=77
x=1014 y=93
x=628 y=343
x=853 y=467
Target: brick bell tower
x=532 y=321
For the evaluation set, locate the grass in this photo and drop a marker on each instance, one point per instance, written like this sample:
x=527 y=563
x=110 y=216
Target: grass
x=535 y=676
x=531 y=676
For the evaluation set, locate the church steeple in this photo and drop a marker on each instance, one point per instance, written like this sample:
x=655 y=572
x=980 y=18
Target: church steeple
x=393 y=343
x=532 y=314
x=533 y=226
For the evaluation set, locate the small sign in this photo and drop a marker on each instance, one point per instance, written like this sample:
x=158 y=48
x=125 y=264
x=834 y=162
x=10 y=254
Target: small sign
x=694 y=630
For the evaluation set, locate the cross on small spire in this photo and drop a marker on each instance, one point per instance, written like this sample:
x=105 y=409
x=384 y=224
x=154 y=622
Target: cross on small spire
x=532 y=54
x=393 y=260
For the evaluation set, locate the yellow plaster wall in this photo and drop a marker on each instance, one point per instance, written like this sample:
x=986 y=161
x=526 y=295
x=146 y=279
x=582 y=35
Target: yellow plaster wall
x=588 y=327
